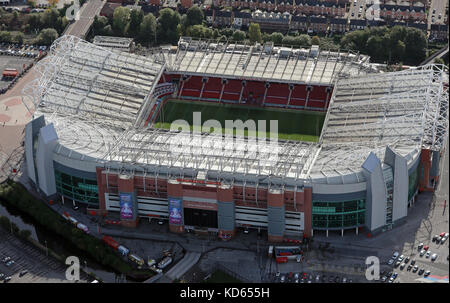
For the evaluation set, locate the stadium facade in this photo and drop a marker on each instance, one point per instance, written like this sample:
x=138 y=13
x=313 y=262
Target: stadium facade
x=91 y=139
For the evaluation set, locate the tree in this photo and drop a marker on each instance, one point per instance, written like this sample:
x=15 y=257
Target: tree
x=147 y=29
x=136 y=17
x=238 y=35
x=121 y=18
x=416 y=46
x=254 y=33
x=167 y=26
x=276 y=38
x=315 y=40
x=18 y=37
x=5 y=37
x=194 y=16
x=47 y=36
x=49 y=18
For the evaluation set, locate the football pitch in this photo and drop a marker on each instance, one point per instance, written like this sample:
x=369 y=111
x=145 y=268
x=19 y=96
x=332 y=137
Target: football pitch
x=292 y=124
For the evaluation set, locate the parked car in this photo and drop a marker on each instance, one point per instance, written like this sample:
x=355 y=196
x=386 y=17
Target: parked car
x=283 y=278
x=409 y=267
x=434 y=238
x=406 y=260
x=383 y=279
x=428 y=254
x=413 y=261
x=421 y=271
x=434 y=257
x=7 y=279
x=402 y=266
x=420 y=246
x=395 y=255
x=415 y=268
x=427 y=273
x=390 y=262
x=10 y=263
x=426 y=247
x=23 y=273
x=401 y=258
x=397 y=264
x=422 y=252
x=2 y=276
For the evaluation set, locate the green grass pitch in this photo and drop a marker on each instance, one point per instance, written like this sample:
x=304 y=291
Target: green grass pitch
x=292 y=124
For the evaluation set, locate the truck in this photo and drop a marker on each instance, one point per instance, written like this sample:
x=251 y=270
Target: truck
x=83 y=227
x=123 y=250
x=164 y=262
x=73 y=221
x=136 y=259
x=110 y=242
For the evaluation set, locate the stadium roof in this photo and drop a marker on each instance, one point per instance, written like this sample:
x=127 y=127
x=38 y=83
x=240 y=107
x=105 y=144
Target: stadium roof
x=244 y=61
x=97 y=101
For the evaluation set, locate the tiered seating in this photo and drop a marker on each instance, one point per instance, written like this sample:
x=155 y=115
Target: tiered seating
x=318 y=93
x=232 y=90
x=278 y=93
x=212 y=88
x=192 y=87
x=298 y=95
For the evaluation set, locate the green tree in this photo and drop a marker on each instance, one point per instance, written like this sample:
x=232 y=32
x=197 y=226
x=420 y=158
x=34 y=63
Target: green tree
x=167 y=26
x=238 y=35
x=147 y=29
x=276 y=38
x=194 y=16
x=415 y=46
x=136 y=18
x=121 y=18
x=49 y=18
x=303 y=40
x=5 y=37
x=315 y=40
x=19 y=37
x=254 y=33
x=47 y=36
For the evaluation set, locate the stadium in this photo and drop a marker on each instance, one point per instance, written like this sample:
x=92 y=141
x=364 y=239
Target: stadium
x=355 y=146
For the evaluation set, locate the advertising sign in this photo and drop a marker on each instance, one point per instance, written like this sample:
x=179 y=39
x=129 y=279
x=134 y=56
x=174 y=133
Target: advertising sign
x=175 y=211
x=126 y=206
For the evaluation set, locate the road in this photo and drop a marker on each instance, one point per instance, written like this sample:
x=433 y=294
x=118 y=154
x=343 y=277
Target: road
x=88 y=11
